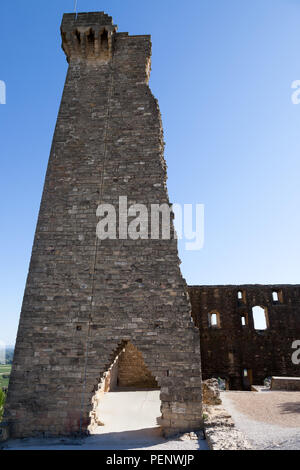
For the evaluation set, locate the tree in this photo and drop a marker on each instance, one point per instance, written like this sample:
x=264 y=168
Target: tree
x=2 y=402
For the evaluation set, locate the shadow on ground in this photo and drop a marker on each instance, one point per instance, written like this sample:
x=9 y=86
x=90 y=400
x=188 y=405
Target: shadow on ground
x=291 y=407
x=148 y=438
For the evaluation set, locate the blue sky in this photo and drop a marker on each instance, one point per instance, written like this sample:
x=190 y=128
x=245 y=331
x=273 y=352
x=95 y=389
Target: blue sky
x=222 y=71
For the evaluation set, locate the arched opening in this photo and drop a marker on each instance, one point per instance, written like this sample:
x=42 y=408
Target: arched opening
x=277 y=297
x=104 y=41
x=260 y=318
x=128 y=396
x=91 y=41
x=214 y=319
x=241 y=296
x=247 y=378
x=77 y=35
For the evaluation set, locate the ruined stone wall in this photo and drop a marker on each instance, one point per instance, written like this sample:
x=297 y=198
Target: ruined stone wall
x=108 y=383
x=84 y=297
x=229 y=348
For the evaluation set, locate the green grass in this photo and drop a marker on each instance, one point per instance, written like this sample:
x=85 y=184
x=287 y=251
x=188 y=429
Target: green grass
x=4 y=370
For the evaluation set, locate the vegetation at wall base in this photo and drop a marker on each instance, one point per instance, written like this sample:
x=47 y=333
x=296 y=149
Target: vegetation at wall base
x=2 y=402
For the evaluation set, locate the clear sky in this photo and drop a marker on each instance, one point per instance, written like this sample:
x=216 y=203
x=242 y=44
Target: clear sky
x=222 y=71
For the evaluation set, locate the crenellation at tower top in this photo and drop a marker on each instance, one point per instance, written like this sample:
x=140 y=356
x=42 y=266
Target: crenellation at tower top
x=87 y=36
x=99 y=18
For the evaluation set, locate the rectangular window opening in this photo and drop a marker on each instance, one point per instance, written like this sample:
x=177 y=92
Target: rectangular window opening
x=260 y=318
x=214 y=320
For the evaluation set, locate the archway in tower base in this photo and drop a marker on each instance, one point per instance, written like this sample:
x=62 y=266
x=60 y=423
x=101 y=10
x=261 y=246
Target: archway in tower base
x=128 y=396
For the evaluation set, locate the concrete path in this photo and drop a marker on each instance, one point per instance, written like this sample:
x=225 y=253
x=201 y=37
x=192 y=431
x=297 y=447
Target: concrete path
x=129 y=411
x=130 y=422
x=270 y=420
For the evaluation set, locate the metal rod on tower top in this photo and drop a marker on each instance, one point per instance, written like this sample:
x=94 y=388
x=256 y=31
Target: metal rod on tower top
x=75 y=8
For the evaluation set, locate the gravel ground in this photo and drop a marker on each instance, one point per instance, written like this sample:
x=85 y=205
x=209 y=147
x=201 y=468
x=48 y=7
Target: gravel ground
x=270 y=420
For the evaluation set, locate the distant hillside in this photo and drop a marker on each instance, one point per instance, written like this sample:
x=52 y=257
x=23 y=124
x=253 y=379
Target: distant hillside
x=9 y=354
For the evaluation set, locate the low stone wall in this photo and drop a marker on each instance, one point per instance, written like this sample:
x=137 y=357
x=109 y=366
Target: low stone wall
x=291 y=384
x=211 y=392
x=220 y=430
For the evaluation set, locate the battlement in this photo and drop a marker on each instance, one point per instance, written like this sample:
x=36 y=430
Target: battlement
x=87 y=36
x=99 y=18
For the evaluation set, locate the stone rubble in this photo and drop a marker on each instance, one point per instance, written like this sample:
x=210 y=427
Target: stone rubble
x=220 y=430
x=211 y=392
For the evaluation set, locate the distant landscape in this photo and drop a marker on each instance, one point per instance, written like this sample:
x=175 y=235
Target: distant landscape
x=9 y=354
x=4 y=375
x=5 y=369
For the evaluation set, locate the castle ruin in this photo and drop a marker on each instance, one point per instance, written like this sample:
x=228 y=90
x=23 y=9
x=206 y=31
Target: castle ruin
x=97 y=313
x=88 y=300
x=233 y=346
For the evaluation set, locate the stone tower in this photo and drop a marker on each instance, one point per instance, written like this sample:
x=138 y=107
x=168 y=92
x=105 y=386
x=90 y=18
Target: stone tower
x=86 y=298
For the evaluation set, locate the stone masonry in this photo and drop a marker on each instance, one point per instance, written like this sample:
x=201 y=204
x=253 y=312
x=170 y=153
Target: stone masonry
x=288 y=384
x=233 y=349
x=85 y=297
x=132 y=371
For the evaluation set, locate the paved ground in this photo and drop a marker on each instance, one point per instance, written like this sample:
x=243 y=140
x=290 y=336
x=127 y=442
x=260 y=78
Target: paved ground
x=130 y=423
x=270 y=420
